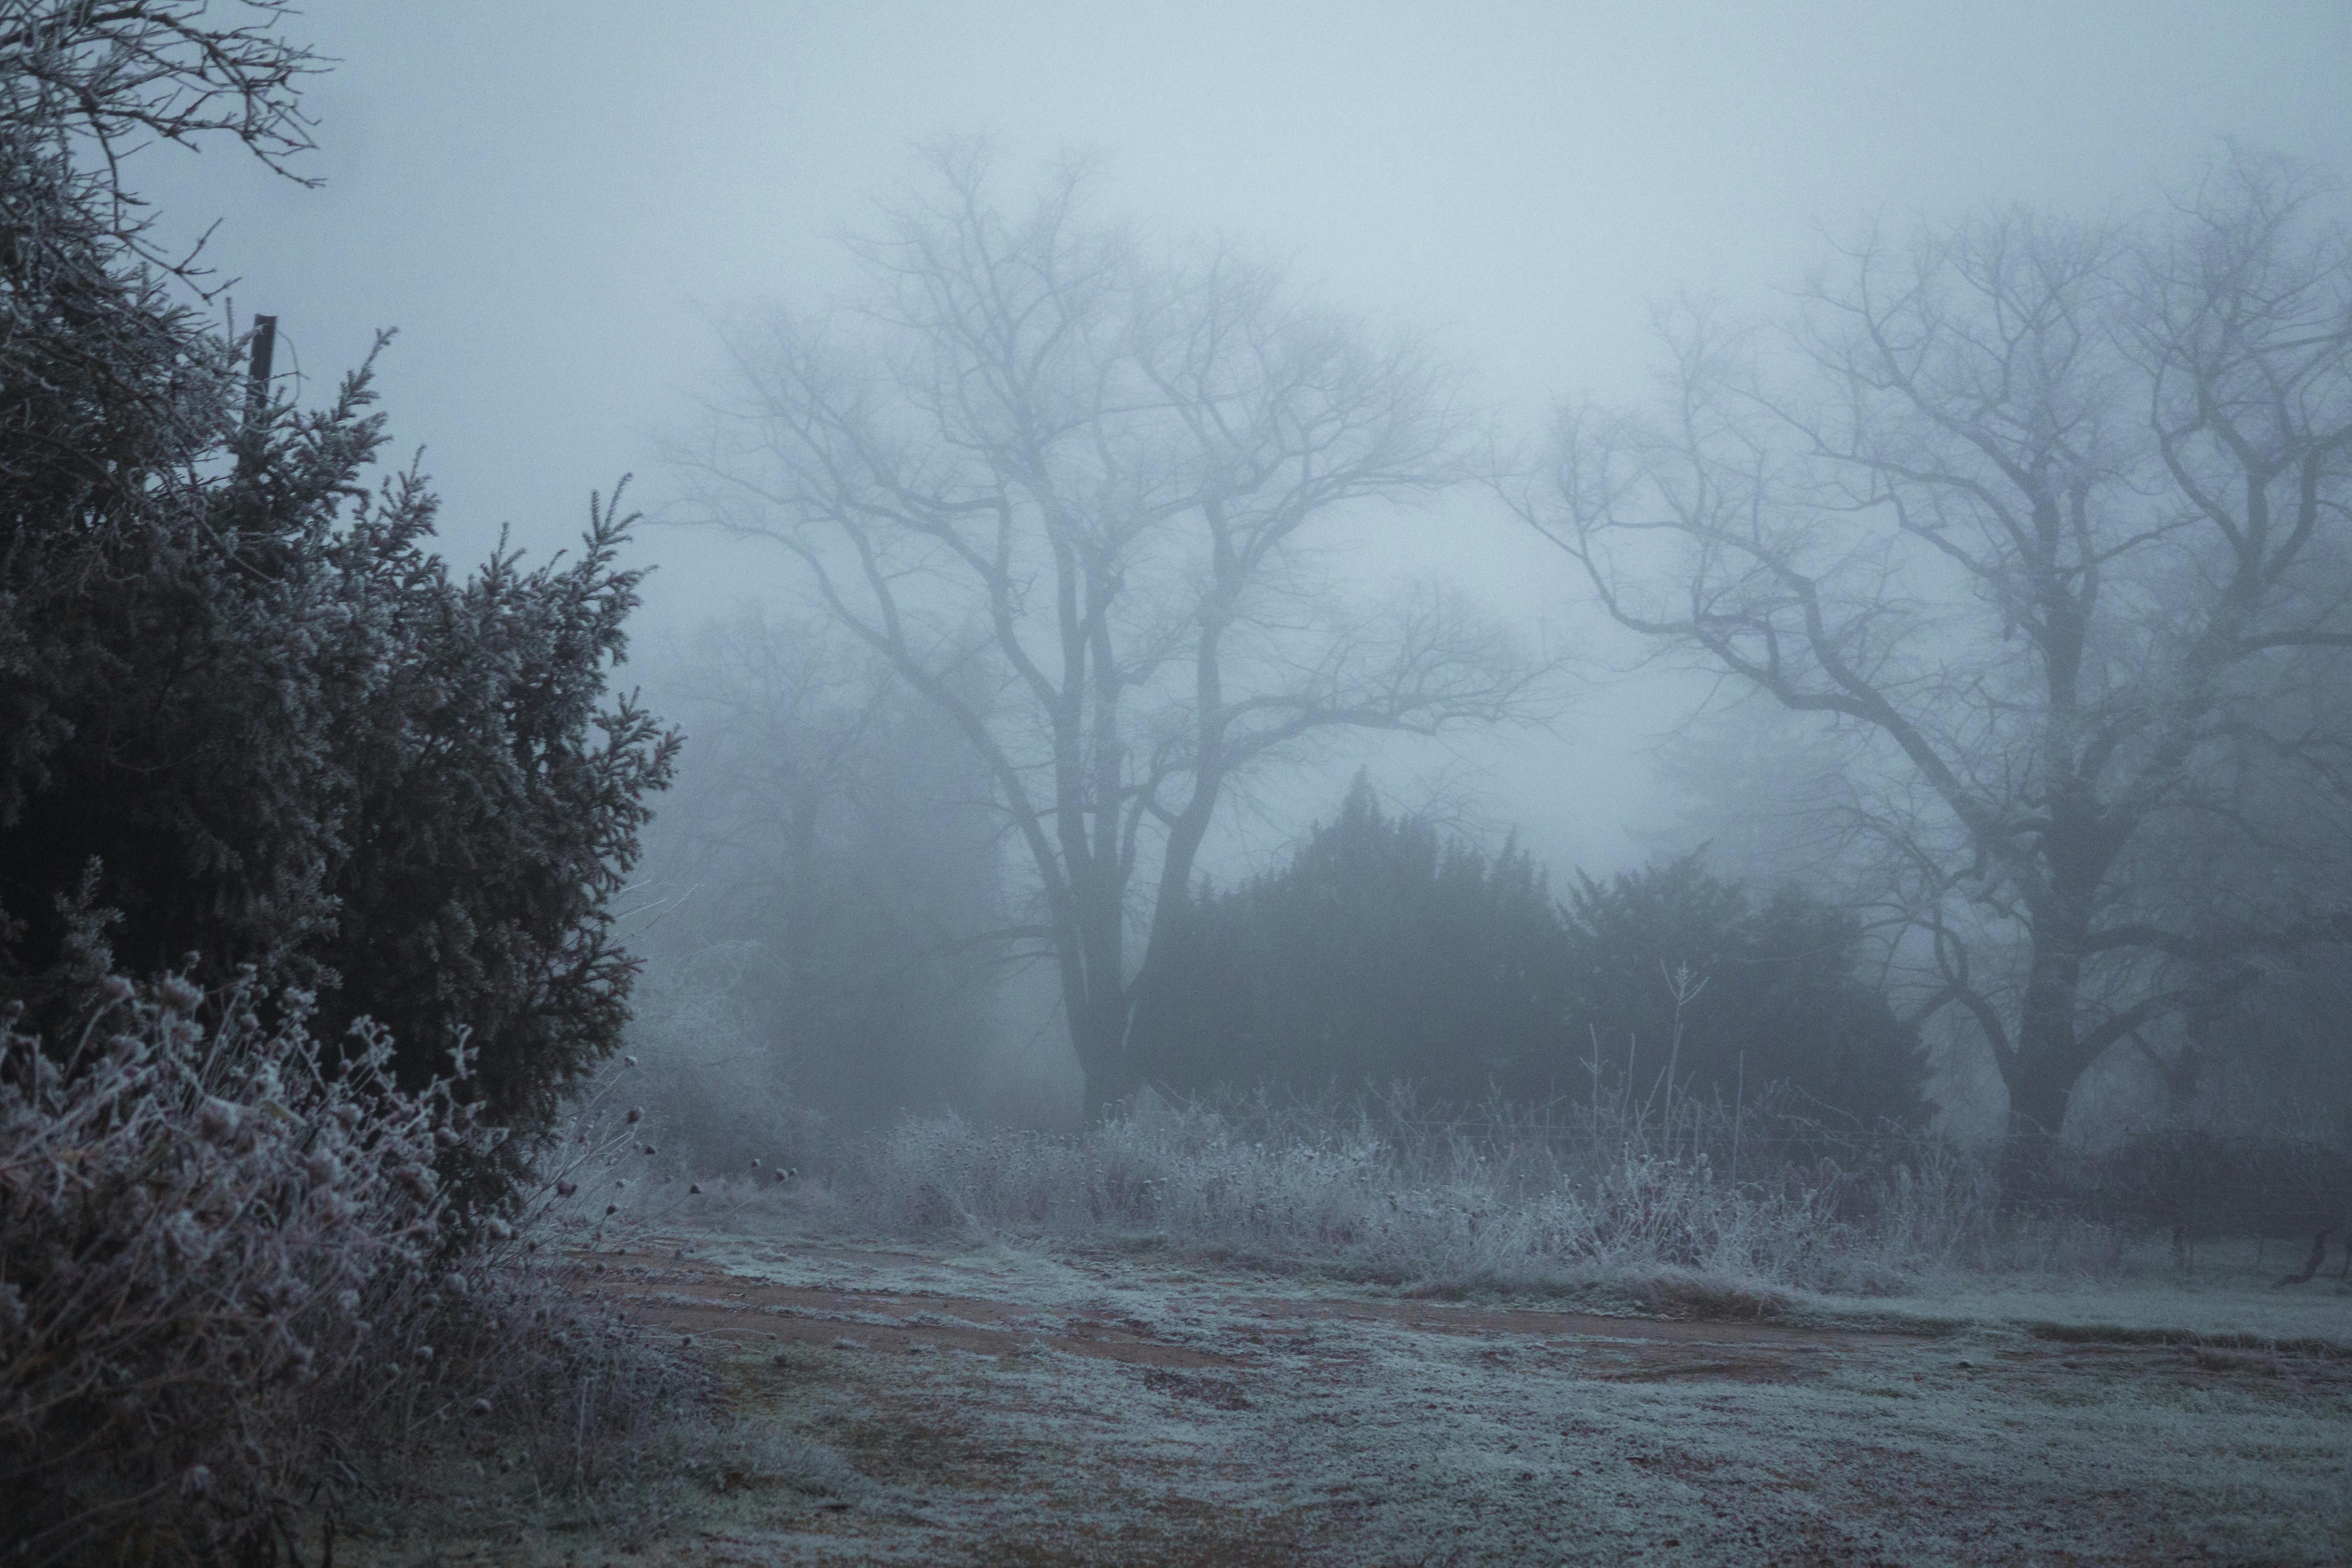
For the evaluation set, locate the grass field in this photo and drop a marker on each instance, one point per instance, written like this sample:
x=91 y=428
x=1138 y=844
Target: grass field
x=1006 y=1401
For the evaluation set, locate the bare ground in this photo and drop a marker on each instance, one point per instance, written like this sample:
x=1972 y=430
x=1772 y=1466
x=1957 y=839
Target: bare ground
x=993 y=1405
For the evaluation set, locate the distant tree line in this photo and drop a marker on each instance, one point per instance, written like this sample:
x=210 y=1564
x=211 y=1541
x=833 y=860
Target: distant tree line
x=2038 y=528
x=1385 y=951
x=824 y=877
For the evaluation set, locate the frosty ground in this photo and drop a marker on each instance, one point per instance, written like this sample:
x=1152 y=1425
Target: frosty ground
x=1001 y=1401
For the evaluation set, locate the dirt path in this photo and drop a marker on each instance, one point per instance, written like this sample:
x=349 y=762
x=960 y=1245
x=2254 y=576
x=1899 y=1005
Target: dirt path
x=697 y=1296
x=1000 y=1405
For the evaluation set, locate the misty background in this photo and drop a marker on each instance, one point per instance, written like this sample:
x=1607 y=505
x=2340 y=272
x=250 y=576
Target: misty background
x=558 y=206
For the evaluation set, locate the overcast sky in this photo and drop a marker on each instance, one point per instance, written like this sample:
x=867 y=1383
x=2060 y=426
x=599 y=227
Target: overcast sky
x=552 y=199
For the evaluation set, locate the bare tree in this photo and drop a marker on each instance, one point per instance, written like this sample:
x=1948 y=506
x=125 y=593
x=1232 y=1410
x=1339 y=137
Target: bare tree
x=95 y=311
x=792 y=717
x=827 y=869
x=84 y=85
x=2055 y=518
x=1082 y=497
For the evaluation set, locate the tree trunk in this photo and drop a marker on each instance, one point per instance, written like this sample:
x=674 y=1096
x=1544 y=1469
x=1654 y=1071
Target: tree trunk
x=2041 y=1074
x=1107 y=1094
x=2039 y=1088
x=1110 y=1072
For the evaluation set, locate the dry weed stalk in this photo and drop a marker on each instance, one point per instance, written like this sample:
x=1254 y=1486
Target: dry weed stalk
x=227 y=1263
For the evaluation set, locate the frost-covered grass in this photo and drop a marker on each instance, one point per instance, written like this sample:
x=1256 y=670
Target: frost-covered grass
x=2230 y=1294
x=1294 y=1418
x=1379 y=1190
x=1953 y=1378
x=1503 y=1198
x=1758 y=1209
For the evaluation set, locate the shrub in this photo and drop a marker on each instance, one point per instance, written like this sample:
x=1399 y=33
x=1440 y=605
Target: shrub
x=1510 y=1196
x=365 y=821
x=225 y=1255
x=198 y=1219
x=2194 y=1184
x=235 y=677
x=1382 y=953
x=1379 y=952
x=1695 y=987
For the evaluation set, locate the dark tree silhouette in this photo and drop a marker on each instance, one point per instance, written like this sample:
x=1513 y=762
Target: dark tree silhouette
x=2052 y=520
x=242 y=705
x=1685 y=984
x=1081 y=498
x=1380 y=952
x=1383 y=952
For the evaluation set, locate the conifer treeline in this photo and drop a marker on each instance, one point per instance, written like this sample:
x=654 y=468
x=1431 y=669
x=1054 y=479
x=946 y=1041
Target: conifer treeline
x=1385 y=951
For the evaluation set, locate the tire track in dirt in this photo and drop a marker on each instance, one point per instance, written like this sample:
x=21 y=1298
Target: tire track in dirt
x=987 y=1404
x=705 y=1300
x=664 y=1287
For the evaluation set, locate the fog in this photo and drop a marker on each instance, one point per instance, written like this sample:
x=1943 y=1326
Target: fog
x=551 y=203
x=1537 y=783
x=558 y=207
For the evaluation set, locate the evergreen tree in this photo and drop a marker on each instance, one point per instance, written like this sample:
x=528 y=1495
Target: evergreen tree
x=1672 y=969
x=1380 y=952
x=243 y=707
x=1383 y=952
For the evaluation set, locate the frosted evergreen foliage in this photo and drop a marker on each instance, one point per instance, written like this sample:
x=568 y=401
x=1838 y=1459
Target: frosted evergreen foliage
x=234 y=675
x=363 y=819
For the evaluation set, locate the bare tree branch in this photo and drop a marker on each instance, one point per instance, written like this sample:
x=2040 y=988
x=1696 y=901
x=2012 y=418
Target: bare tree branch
x=1088 y=474
x=2060 y=514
